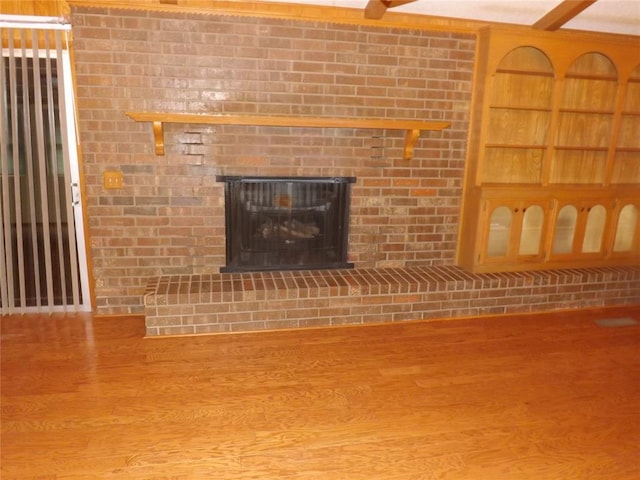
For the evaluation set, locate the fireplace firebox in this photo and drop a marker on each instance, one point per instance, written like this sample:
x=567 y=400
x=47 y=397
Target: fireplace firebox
x=286 y=223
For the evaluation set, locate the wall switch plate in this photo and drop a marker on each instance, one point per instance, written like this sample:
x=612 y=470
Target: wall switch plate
x=113 y=179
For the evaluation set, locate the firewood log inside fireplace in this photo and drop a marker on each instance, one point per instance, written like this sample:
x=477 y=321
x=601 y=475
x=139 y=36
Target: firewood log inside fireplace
x=289 y=228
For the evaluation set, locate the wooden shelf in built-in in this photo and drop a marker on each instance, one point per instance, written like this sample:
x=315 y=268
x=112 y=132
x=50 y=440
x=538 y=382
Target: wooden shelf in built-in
x=412 y=127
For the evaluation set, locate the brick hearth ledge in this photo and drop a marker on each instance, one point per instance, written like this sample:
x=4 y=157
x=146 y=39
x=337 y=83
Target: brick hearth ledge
x=241 y=302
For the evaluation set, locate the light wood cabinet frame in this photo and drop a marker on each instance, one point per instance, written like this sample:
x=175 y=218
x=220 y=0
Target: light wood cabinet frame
x=572 y=134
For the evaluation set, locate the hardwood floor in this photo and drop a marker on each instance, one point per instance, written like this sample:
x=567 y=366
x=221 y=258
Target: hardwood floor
x=525 y=397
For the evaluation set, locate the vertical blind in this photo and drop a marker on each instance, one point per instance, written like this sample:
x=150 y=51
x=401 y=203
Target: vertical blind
x=38 y=248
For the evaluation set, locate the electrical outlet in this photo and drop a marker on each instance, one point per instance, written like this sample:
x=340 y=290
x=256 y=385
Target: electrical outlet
x=113 y=179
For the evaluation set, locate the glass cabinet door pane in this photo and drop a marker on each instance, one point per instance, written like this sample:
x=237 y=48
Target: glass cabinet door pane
x=531 y=234
x=499 y=231
x=565 y=229
x=594 y=231
x=627 y=222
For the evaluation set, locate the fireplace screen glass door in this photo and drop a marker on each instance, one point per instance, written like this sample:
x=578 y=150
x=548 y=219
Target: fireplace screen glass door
x=286 y=223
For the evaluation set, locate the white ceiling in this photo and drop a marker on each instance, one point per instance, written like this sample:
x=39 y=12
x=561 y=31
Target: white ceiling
x=612 y=16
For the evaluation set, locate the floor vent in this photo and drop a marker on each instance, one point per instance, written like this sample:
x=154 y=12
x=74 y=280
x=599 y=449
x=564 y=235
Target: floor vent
x=617 y=322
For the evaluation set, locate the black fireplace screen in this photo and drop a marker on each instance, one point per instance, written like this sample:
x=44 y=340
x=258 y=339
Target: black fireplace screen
x=286 y=223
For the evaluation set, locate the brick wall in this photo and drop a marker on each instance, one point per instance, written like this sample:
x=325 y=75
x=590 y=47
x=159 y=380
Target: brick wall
x=168 y=218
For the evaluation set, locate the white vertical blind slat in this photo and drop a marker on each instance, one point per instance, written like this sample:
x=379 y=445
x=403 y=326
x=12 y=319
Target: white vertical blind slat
x=57 y=195
x=5 y=233
x=40 y=173
x=17 y=255
x=17 y=185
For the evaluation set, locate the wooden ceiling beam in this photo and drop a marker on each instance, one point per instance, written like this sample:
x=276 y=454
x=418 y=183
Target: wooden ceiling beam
x=376 y=9
x=561 y=14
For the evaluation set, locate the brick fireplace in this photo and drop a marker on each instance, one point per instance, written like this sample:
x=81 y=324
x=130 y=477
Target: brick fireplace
x=162 y=236
x=169 y=217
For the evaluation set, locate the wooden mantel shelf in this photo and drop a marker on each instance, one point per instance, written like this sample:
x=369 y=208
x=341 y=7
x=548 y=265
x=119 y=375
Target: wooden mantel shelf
x=412 y=127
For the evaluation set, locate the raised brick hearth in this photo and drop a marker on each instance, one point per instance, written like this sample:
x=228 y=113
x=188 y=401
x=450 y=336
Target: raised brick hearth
x=238 y=302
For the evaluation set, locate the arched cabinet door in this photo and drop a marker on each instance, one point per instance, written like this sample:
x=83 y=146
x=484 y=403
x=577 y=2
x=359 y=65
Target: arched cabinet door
x=533 y=223
x=626 y=239
x=592 y=241
x=564 y=230
x=500 y=230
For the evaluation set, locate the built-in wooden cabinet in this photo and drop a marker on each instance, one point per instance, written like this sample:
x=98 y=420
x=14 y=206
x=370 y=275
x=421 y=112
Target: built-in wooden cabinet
x=553 y=167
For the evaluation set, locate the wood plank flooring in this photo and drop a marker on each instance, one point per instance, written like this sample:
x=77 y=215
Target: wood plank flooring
x=544 y=397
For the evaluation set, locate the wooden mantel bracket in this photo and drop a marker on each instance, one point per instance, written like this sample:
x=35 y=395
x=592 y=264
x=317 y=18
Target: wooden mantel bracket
x=413 y=128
